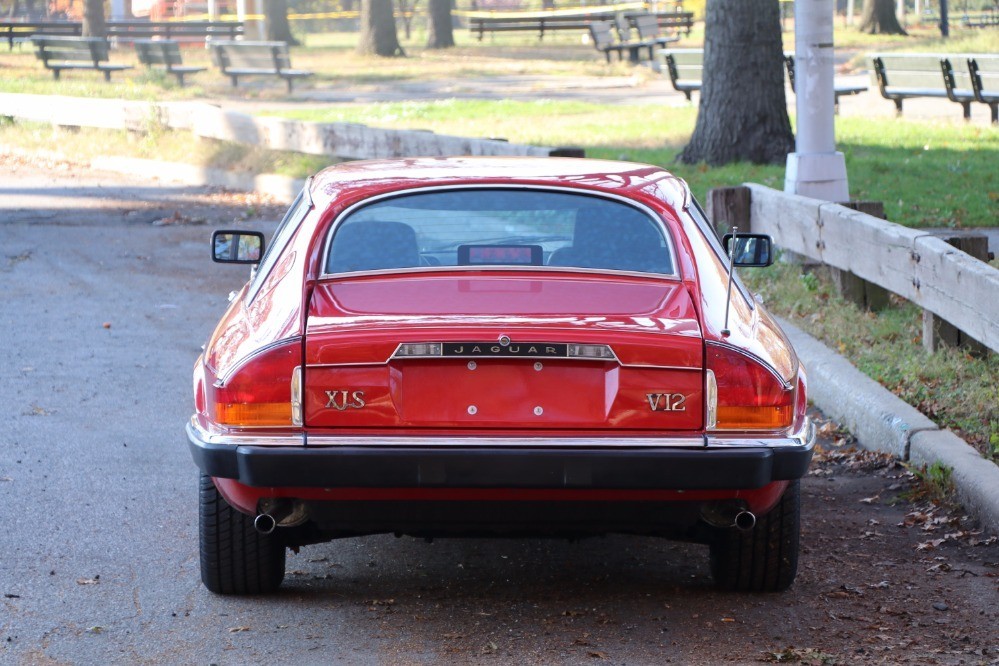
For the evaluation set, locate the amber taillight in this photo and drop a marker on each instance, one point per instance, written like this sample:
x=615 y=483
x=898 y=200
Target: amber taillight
x=750 y=396
x=260 y=393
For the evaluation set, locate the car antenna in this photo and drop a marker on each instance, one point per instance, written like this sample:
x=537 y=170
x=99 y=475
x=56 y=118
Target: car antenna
x=731 y=275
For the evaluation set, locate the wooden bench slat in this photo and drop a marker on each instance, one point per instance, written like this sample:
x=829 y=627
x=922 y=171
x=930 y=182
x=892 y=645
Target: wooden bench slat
x=532 y=22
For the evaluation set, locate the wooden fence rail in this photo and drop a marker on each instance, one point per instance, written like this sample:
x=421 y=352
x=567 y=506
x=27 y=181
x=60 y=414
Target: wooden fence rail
x=909 y=262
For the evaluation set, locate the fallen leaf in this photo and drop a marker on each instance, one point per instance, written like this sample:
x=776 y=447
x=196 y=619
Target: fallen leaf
x=89 y=581
x=236 y=630
x=596 y=654
x=95 y=630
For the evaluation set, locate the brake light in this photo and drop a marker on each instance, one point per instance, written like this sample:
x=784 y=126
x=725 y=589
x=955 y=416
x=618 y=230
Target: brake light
x=260 y=393
x=750 y=396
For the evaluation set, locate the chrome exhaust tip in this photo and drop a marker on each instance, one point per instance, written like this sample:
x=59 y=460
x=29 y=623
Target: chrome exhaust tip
x=278 y=512
x=727 y=515
x=745 y=520
x=264 y=523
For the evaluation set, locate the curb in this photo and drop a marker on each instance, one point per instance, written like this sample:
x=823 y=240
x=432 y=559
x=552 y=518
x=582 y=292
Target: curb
x=882 y=422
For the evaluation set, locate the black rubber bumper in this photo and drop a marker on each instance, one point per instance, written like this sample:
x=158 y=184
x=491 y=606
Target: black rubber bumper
x=474 y=467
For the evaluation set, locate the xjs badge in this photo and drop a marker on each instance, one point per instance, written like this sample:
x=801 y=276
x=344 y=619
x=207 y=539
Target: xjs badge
x=667 y=402
x=342 y=400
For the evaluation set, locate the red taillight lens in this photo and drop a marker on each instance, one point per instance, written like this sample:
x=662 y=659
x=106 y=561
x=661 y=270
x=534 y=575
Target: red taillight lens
x=260 y=392
x=750 y=395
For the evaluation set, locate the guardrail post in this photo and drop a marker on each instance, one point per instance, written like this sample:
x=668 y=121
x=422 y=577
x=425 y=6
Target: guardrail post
x=858 y=291
x=938 y=333
x=728 y=207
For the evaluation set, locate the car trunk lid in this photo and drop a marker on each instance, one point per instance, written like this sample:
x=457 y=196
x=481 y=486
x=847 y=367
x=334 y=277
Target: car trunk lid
x=503 y=353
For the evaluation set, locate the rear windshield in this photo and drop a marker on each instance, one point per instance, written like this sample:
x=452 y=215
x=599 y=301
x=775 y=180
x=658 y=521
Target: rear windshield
x=506 y=228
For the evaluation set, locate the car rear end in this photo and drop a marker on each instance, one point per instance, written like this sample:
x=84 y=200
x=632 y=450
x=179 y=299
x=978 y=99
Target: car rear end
x=511 y=363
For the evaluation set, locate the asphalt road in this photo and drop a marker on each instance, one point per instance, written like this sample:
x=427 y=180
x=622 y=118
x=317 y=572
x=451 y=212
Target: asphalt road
x=107 y=293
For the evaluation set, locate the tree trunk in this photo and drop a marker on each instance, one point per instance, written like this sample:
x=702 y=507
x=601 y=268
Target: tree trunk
x=742 y=115
x=440 y=34
x=879 y=18
x=276 y=25
x=378 y=35
x=93 y=19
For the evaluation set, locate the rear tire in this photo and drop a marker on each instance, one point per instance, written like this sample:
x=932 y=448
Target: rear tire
x=235 y=558
x=765 y=558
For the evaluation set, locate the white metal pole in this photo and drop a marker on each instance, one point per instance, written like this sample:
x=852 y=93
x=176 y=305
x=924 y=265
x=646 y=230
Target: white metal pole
x=815 y=169
x=213 y=13
x=849 y=12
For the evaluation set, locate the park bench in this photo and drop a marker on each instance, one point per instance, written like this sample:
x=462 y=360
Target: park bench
x=840 y=89
x=165 y=52
x=984 y=72
x=649 y=31
x=685 y=67
x=603 y=35
x=59 y=53
x=236 y=59
x=671 y=22
x=907 y=76
x=529 y=22
x=174 y=30
x=23 y=31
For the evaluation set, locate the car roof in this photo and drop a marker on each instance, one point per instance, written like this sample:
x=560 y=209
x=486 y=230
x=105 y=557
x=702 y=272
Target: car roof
x=373 y=177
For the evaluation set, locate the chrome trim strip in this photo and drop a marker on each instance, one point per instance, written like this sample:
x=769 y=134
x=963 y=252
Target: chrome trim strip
x=195 y=431
x=322 y=366
x=804 y=439
x=307 y=191
x=511 y=442
x=656 y=217
x=442 y=355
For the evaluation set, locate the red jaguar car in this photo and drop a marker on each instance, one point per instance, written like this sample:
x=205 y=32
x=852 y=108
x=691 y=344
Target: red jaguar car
x=497 y=347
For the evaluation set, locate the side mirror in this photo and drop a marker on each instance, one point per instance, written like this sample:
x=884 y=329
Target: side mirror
x=237 y=247
x=750 y=249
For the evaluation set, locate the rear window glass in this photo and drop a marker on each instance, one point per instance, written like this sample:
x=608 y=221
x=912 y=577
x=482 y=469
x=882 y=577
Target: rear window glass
x=510 y=228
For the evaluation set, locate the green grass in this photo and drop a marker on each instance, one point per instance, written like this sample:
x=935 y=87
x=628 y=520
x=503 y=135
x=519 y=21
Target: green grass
x=920 y=170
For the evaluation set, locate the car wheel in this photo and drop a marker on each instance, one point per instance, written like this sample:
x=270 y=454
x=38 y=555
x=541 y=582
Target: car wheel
x=235 y=558
x=764 y=558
